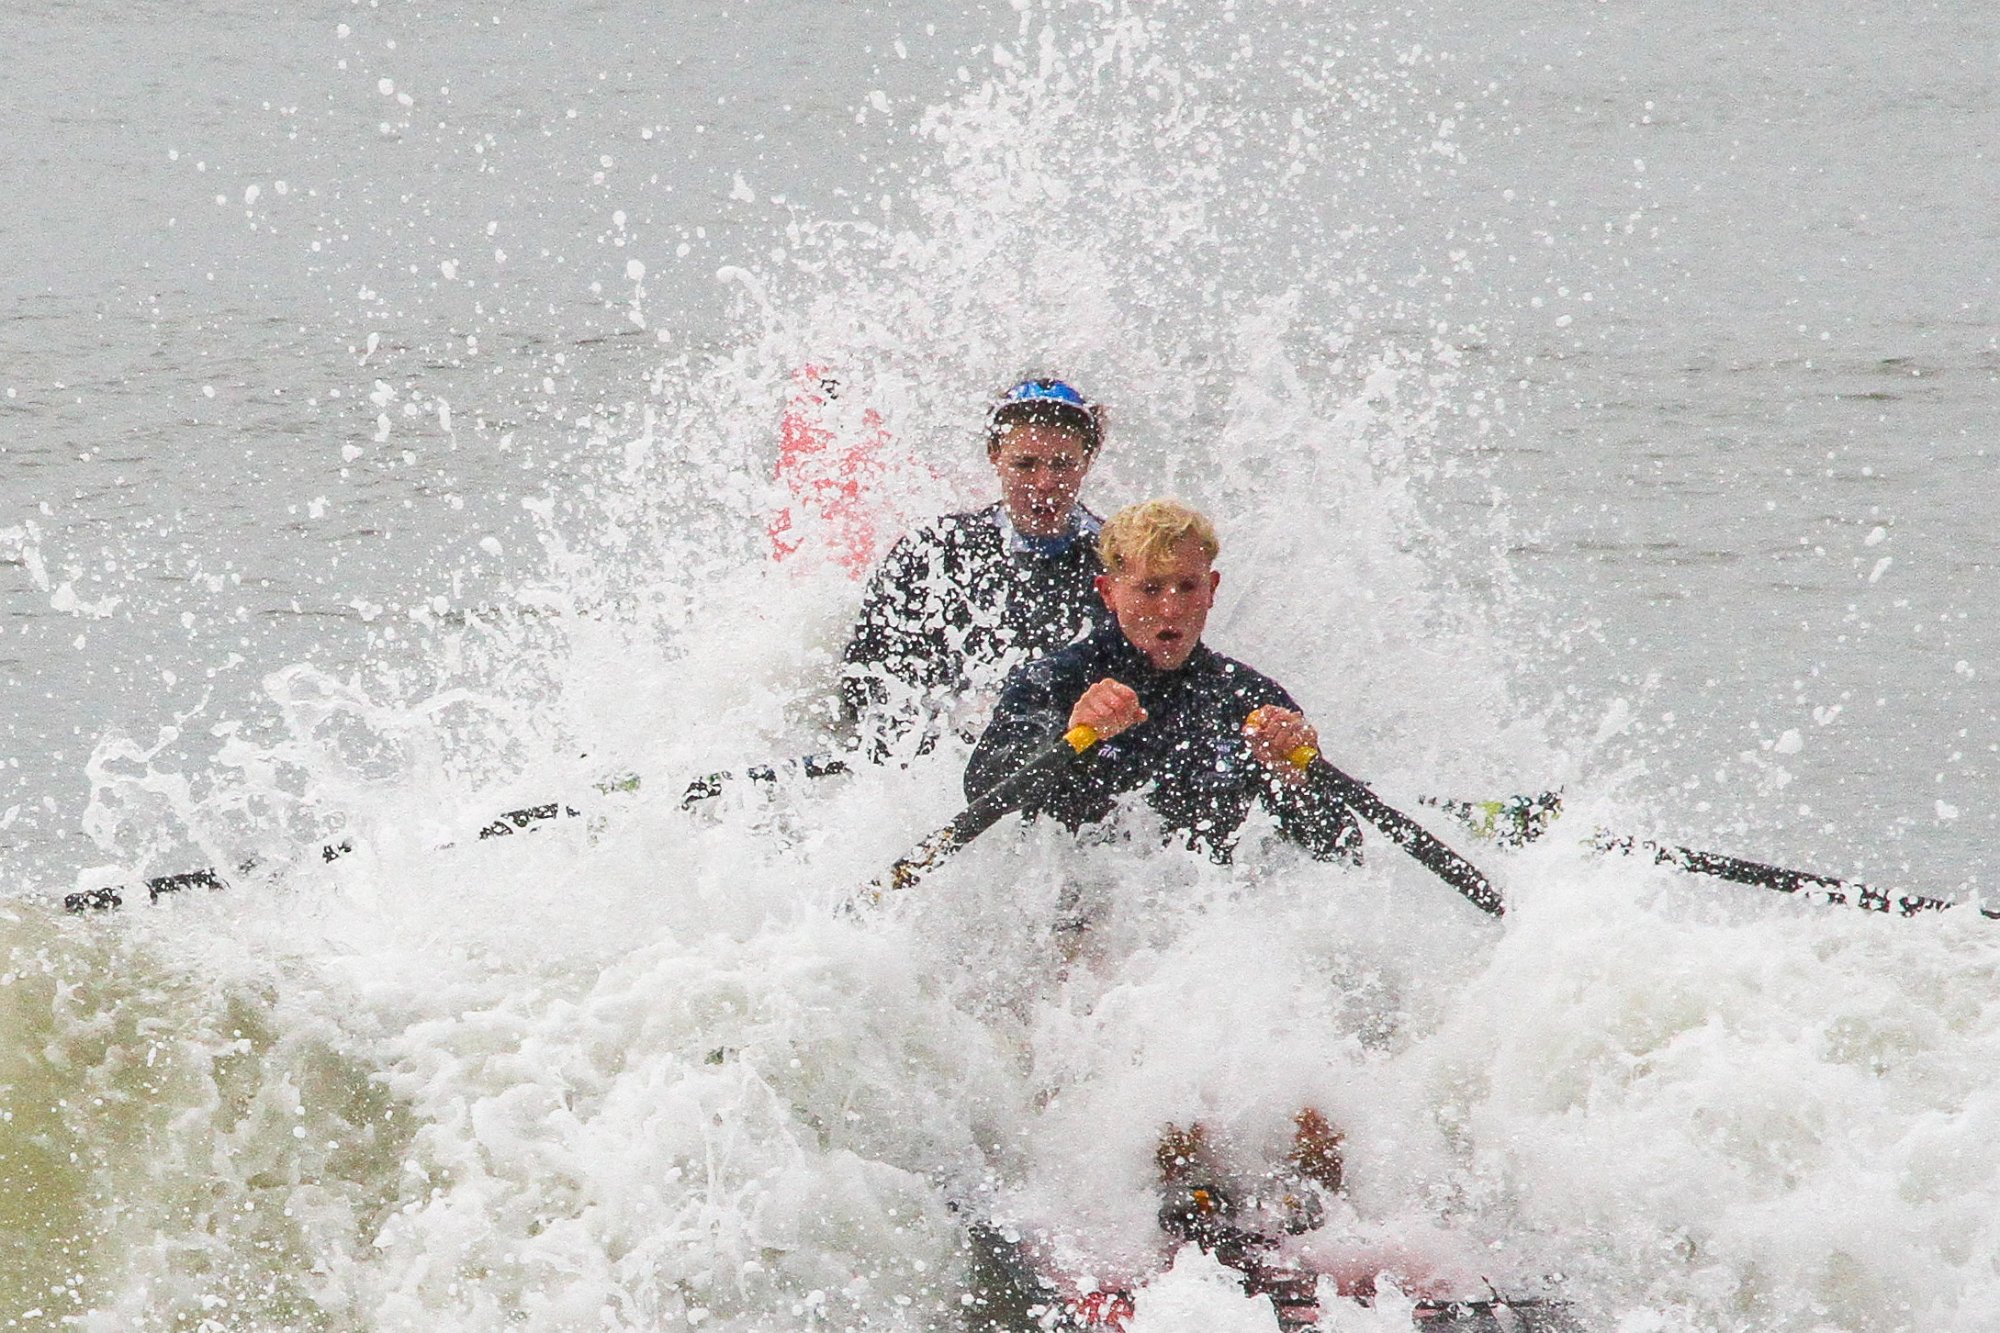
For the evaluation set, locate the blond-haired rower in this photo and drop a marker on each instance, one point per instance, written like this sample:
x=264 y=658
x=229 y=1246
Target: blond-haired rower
x=1205 y=735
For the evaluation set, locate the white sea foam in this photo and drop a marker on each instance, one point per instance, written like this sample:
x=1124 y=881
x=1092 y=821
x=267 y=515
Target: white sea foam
x=636 y=1071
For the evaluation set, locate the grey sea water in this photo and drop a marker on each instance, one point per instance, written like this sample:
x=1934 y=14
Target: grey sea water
x=249 y=414
x=1600 y=396
x=1738 y=276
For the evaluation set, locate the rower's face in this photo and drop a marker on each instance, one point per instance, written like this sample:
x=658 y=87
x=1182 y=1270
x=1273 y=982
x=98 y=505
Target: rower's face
x=1041 y=468
x=1163 y=607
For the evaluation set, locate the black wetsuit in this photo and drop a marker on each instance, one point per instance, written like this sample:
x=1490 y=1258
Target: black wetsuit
x=1190 y=749
x=954 y=606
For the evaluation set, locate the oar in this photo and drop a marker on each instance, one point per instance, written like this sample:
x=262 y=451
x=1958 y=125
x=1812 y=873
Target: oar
x=526 y=819
x=107 y=897
x=706 y=787
x=1405 y=832
x=110 y=896
x=530 y=818
x=1522 y=819
x=1008 y=794
x=1805 y=883
x=1512 y=822
x=810 y=766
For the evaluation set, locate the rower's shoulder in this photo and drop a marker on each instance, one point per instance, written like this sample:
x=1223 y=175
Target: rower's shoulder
x=1082 y=661
x=969 y=522
x=947 y=537
x=971 y=528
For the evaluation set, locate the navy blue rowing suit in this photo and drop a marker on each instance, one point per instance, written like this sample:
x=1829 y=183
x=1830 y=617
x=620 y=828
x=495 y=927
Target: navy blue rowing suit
x=1190 y=749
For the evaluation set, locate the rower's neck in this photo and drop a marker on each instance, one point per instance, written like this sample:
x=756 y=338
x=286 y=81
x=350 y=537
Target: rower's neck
x=1079 y=524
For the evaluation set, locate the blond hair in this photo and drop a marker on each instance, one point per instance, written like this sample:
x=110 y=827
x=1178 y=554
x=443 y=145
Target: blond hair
x=1146 y=534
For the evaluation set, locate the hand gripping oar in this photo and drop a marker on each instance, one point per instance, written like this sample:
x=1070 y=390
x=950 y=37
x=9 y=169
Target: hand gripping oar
x=1405 y=832
x=986 y=810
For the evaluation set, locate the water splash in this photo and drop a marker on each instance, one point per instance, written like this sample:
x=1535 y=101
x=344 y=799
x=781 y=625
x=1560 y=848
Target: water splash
x=635 y=1072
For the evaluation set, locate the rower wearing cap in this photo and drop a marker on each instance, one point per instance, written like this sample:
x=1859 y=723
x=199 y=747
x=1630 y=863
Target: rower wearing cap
x=965 y=598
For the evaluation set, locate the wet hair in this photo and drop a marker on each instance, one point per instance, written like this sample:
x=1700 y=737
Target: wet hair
x=1147 y=533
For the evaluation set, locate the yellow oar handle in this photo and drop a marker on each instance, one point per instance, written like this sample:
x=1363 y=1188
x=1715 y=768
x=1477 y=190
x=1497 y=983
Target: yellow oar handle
x=1301 y=758
x=1081 y=737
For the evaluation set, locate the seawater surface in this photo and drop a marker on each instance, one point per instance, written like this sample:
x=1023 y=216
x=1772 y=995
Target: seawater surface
x=1590 y=398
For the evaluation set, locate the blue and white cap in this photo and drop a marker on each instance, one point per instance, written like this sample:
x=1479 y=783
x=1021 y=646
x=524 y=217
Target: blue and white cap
x=1049 y=402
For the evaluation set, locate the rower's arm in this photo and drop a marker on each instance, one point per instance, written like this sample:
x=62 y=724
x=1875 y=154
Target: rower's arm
x=1307 y=812
x=898 y=646
x=1028 y=716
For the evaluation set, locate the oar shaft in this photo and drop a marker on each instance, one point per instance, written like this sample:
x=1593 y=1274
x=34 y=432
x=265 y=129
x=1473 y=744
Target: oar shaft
x=1804 y=883
x=985 y=810
x=703 y=788
x=113 y=895
x=713 y=784
x=526 y=819
x=109 y=896
x=1406 y=833
x=1522 y=819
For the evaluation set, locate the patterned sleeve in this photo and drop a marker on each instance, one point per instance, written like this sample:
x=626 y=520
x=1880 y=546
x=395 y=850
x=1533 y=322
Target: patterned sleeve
x=898 y=653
